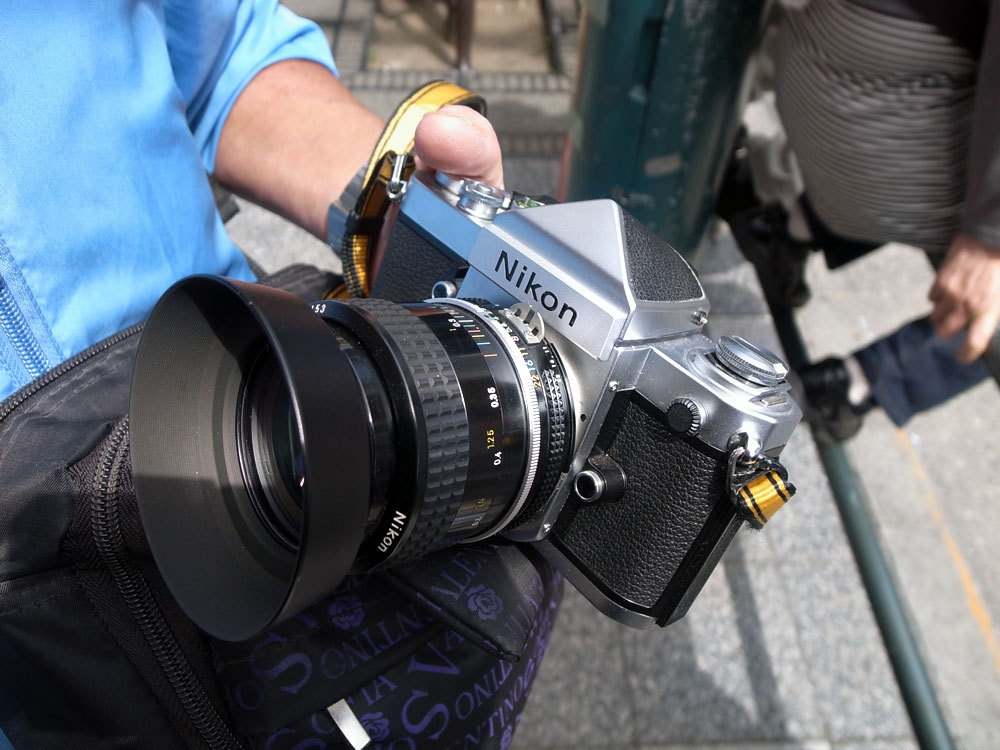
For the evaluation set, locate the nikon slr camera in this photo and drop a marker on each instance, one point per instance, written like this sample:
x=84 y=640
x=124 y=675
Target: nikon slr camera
x=533 y=371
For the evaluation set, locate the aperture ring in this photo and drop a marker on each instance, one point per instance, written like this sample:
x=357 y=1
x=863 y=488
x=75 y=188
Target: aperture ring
x=434 y=386
x=506 y=336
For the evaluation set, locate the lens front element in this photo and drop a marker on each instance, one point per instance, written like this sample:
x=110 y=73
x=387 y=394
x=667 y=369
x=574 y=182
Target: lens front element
x=271 y=455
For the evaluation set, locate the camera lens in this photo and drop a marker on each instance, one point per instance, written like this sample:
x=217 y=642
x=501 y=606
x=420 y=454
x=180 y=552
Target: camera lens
x=277 y=448
x=271 y=457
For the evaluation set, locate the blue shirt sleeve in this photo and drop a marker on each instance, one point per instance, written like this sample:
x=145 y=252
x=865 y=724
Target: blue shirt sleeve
x=216 y=47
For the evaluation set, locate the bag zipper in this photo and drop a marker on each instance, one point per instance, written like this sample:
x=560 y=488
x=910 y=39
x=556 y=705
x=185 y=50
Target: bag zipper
x=13 y=324
x=106 y=528
x=132 y=585
x=17 y=398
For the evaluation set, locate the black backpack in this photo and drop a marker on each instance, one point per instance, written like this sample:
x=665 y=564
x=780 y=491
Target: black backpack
x=95 y=653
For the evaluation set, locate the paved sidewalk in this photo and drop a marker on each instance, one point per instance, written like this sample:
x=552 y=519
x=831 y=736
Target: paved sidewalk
x=781 y=649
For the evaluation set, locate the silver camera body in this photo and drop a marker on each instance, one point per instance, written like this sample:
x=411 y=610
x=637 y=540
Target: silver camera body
x=661 y=413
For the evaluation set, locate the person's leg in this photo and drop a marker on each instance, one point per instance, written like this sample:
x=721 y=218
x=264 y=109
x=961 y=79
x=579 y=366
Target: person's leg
x=913 y=370
x=852 y=86
x=908 y=371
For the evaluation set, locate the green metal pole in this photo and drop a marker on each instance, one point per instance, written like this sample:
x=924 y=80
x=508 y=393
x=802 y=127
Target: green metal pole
x=915 y=685
x=657 y=107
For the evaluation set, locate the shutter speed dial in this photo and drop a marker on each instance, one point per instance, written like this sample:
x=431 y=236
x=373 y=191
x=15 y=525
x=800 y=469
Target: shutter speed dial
x=750 y=362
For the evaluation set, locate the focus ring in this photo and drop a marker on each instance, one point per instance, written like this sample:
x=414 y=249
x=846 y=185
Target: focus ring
x=445 y=424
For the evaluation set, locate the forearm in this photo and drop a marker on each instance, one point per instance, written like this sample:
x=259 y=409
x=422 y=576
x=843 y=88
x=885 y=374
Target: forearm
x=293 y=140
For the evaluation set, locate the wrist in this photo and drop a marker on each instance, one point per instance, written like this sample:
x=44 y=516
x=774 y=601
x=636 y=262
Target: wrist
x=982 y=239
x=340 y=210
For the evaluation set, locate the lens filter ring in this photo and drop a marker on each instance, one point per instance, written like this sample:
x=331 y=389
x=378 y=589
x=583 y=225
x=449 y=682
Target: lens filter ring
x=272 y=463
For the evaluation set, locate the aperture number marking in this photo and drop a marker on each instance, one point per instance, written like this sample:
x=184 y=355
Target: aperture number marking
x=491 y=444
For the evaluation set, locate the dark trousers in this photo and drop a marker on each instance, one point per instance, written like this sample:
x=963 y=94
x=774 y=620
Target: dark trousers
x=912 y=370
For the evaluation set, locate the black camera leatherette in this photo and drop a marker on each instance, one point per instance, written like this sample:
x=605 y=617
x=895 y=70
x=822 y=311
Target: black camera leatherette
x=636 y=545
x=655 y=270
x=410 y=268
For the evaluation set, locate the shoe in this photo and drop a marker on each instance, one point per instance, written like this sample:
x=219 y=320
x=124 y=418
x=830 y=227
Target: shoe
x=833 y=417
x=761 y=233
x=780 y=260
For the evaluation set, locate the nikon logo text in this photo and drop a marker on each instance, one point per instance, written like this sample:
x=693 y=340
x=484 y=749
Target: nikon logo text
x=524 y=279
x=395 y=526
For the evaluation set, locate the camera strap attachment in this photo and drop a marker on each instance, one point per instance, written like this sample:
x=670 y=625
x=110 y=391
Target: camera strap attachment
x=390 y=165
x=758 y=486
x=365 y=223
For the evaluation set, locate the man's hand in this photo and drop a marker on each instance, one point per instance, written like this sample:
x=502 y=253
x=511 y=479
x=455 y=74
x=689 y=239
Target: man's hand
x=966 y=294
x=456 y=140
x=461 y=142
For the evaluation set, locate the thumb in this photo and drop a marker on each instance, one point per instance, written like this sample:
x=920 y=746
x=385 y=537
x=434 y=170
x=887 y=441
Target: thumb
x=460 y=141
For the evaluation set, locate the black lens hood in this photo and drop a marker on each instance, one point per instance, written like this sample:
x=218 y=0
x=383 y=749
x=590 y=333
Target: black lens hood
x=228 y=574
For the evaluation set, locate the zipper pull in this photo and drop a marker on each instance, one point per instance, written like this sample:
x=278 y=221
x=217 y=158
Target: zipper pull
x=348 y=724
